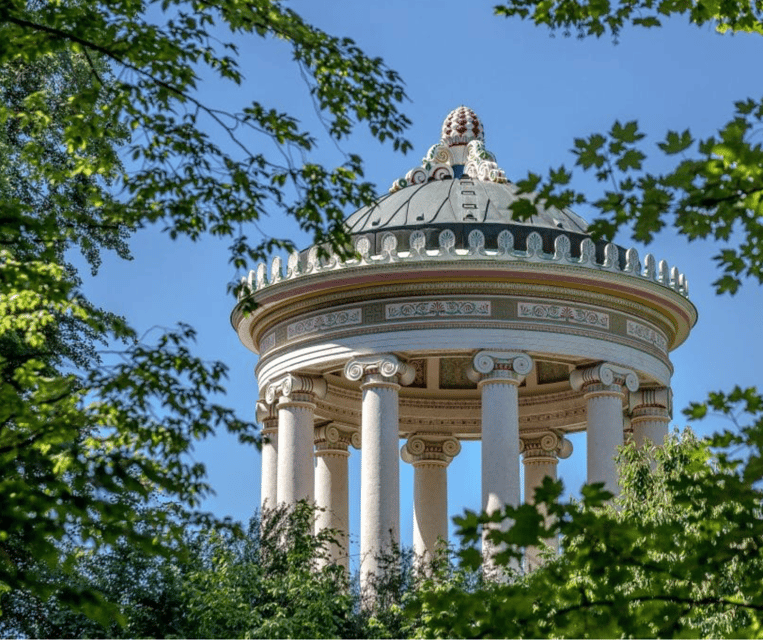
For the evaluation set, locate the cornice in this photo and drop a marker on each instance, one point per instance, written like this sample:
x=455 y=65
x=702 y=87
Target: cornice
x=655 y=285
x=266 y=320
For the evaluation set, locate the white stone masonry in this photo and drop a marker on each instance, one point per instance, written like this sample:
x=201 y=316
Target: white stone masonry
x=651 y=410
x=331 y=486
x=381 y=377
x=430 y=455
x=296 y=408
x=498 y=374
x=267 y=415
x=541 y=455
x=602 y=385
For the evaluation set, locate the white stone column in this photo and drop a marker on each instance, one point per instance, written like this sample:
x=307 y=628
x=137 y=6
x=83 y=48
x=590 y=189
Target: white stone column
x=381 y=377
x=602 y=385
x=267 y=415
x=498 y=375
x=651 y=410
x=331 y=486
x=296 y=408
x=541 y=453
x=430 y=455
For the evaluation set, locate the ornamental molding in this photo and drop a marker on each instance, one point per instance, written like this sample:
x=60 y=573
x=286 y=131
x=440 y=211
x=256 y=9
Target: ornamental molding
x=296 y=387
x=385 y=366
x=428 y=308
x=567 y=419
x=504 y=366
x=335 y=319
x=438 y=414
x=563 y=313
x=268 y=342
x=267 y=415
x=485 y=362
x=332 y=411
x=460 y=152
x=430 y=449
x=500 y=291
x=508 y=250
x=565 y=339
x=492 y=323
x=647 y=334
x=415 y=424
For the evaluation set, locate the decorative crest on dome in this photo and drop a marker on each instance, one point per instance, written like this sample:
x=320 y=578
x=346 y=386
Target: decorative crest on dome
x=461 y=126
x=460 y=152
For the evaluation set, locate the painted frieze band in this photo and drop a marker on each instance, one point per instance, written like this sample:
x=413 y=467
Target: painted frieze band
x=268 y=342
x=647 y=334
x=324 y=321
x=562 y=313
x=464 y=308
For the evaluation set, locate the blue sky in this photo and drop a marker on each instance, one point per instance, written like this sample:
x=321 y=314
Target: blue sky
x=534 y=94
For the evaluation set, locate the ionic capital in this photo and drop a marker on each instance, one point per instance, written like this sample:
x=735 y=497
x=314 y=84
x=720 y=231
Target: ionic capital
x=267 y=415
x=430 y=449
x=604 y=378
x=334 y=439
x=653 y=402
x=546 y=446
x=295 y=388
x=503 y=366
x=380 y=368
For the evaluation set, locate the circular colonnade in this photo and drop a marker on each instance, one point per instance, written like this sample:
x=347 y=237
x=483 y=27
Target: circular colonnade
x=455 y=322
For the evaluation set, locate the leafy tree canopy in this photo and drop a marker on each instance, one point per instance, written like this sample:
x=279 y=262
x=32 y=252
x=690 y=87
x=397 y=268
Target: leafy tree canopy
x=102 y=131
x=715 y=187
x=677 y=554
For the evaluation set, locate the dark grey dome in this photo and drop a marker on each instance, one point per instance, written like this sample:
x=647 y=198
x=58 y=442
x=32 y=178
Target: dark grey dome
x=445 y=203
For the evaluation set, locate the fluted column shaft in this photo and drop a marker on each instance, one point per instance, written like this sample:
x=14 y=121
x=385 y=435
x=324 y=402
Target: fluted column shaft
x=498 y=375
x=295 y=469
x=268 y=417
x=379 y=468
x=331 y=487
x=500 y=443
x=651 y=410
x=430 y=509
x=296 y=409
x=430 y=455
x=540 y=458
x=603 y=390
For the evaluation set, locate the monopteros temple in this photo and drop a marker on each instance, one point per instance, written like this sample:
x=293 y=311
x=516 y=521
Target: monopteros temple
x=453 y=322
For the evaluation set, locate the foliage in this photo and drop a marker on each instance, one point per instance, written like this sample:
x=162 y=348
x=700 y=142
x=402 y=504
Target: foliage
x=179 y=174
x=271 y=581
x=673 y=555
x=595 y=18
x=715 y=186
x=143 y=590
x=102 y=131
x=275 y=583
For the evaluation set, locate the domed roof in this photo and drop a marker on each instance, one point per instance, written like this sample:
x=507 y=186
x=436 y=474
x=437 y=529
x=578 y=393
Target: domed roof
x=464 y=201
x=458 y=183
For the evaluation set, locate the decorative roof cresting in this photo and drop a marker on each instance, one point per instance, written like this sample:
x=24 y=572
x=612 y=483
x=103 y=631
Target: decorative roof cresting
x=460 y=152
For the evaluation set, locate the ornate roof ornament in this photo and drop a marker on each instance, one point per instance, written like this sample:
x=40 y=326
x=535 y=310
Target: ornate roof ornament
x=460 y=153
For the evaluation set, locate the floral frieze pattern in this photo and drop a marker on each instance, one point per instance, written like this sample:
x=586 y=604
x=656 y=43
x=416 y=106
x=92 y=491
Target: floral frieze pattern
x=563 y=313
x=647 y=334
x=466 y=308
x=325 y=321
x=268 y=342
